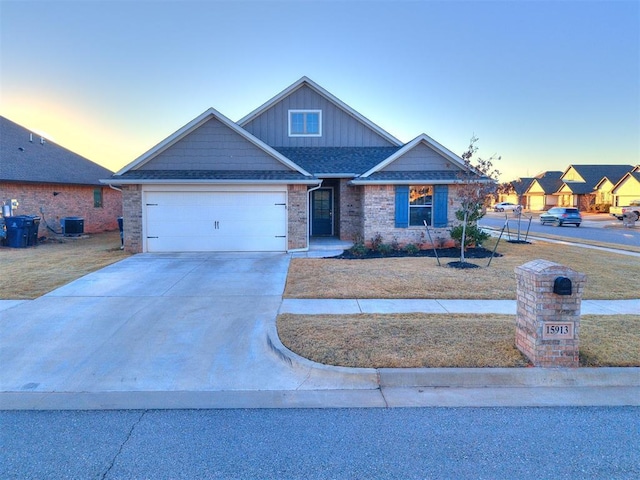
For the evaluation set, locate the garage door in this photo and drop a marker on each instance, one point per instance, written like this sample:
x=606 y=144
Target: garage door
x=536 y=202
x=215 y=221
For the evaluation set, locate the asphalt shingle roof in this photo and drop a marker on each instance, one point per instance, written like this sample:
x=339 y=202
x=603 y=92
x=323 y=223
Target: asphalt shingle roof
x=419 y=176
x=337 y=160
x=549 y=181
x=48 y=162
x=194 y=175
x=592 y=174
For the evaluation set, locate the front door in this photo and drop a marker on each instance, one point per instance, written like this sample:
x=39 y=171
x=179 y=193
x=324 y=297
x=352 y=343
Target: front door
x=322 y=212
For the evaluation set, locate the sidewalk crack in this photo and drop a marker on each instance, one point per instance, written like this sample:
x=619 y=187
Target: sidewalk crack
x=115 y=457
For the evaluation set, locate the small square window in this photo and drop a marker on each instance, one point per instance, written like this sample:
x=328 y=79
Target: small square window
x=305 y=123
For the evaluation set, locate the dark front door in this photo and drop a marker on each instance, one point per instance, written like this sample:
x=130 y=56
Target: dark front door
x=322 y=212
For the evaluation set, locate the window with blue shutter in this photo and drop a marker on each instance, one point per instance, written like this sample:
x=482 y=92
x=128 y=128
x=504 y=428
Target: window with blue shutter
x=440 y=202
x=402 y=206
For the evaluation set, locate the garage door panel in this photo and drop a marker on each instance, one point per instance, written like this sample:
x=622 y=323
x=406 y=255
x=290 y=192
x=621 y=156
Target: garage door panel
x=215 y=221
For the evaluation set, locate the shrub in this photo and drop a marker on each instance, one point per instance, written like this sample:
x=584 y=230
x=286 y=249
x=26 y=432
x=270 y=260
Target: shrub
x=385 y=249
x=473 y=235
x=411 y=249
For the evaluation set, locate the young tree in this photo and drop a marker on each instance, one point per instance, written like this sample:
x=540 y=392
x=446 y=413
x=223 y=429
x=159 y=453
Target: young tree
x=477 y=182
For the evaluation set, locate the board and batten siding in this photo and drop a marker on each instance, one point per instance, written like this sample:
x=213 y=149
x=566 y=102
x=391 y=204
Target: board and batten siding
x=420 y=158
x=339 y=129
x=213 y=146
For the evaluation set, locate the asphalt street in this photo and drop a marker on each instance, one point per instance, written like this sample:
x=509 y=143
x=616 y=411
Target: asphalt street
x=594 y=228
x=443 y=443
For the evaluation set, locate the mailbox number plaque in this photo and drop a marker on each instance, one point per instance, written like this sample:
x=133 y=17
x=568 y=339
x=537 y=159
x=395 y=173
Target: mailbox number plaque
x=555 y=330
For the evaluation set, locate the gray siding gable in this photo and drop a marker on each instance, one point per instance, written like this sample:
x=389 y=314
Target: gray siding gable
x=339 y=127
x=421 y=158
x=213 y=146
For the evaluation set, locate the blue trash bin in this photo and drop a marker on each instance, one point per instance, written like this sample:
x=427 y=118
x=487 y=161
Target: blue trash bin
x=18 y=230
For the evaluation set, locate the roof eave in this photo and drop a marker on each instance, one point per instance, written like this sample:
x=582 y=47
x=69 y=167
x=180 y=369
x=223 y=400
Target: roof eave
x=121 y=181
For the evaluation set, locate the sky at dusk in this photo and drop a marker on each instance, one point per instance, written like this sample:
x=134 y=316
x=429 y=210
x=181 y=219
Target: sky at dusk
x=541 y=84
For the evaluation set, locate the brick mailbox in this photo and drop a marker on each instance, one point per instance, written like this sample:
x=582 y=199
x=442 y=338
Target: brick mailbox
x=548 y=313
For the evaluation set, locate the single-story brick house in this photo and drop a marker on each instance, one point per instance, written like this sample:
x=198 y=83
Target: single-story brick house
x=51 y=182
x=304 y=164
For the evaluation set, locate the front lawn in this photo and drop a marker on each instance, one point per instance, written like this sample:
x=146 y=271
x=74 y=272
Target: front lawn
x=609 y=275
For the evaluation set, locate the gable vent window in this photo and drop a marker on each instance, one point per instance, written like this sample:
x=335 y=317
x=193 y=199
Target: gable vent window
x=305 y=123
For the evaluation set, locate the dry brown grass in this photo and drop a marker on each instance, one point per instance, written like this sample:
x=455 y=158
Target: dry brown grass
x=28 y=273
x=423 y=340
x=421 y=277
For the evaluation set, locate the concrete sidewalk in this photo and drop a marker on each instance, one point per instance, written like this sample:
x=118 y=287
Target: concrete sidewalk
x=507 y=307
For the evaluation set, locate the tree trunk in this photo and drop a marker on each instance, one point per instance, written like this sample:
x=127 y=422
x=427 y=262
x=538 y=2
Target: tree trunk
x=464 y=236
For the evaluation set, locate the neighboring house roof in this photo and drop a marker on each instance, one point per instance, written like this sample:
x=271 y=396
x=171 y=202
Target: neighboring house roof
x=42 y=161
x=521 y=185
x=592 y=175
x=549 y=182
x=330 y=97
x=635 y=174
x=337 y=161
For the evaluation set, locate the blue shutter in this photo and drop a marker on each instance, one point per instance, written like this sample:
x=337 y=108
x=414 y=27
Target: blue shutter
x=440 y=202
x=402 y=206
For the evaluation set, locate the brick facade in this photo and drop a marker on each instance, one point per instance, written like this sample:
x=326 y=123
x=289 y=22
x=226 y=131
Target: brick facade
x=297 y=216
x=51 y=202
x=132 y=217
x=379 y=219
x=539 y=309
x=351 y=225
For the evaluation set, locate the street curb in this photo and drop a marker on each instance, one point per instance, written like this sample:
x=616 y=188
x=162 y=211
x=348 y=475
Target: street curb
x=510 y=377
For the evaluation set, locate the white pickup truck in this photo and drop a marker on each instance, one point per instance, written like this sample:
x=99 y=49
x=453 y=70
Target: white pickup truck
x=618 y=212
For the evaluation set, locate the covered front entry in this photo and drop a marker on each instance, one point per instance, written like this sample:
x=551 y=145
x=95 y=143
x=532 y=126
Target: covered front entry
x=322 y=212
x=215 y=221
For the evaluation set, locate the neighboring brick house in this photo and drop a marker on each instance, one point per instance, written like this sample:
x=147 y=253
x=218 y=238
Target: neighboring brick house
x=51 y=182
x=302 y=165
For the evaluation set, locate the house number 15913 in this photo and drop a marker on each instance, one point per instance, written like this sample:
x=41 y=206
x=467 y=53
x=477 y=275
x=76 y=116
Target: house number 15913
x=557 y=330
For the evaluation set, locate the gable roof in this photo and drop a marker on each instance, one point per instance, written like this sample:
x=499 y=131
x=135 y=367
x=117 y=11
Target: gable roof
x=28 y=158
x=635 y=174
x=592 y=175
x=378 y=175
x=305 y=81
x=193 y=125
x=521 y=185
x=549 y=181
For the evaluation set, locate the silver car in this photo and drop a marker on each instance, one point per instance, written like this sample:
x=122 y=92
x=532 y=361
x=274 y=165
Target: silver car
x=562 y=216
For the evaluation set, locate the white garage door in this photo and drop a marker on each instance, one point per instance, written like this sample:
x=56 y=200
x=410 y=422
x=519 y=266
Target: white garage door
x=200 y=221
x=536 y=202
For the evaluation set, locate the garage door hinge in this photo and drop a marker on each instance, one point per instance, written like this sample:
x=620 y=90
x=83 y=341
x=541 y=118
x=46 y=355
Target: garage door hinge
x=281 y=236
x=153 y=237
x=280 y=204
x=152 y=204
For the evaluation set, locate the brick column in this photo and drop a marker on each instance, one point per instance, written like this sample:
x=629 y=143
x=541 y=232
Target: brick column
x=548 y=323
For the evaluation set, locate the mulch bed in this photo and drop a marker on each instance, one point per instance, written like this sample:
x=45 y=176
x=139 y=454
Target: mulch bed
x=452 y=252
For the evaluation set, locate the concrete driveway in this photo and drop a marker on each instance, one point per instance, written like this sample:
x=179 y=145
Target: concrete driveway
x=163 y=323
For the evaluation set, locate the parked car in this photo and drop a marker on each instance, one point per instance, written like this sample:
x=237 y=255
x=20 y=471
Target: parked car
x=503 y=206
x=618 y=212
x=561 y=216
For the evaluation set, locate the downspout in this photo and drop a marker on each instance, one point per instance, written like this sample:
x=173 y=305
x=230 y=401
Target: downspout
x=309 y=213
